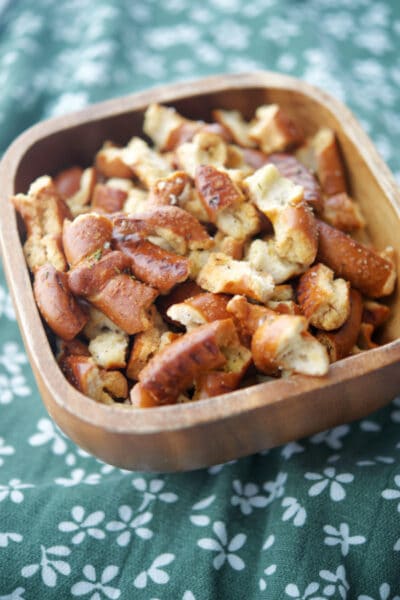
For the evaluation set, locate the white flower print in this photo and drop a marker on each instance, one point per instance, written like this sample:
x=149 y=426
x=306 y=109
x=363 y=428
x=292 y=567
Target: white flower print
x=11 y=358
x=337 y=582
x=78 y=476
x=5 y=450
x=82 y=525
x=15 y=595
x=294 y=511
x=369 y=426
x=276 y=488
x=90 y=584
x=137 y=525
x=154 y=572
x=395 y=415
x=13 y=537
x=293 y=591
x=15 y=385
x=199 y=519
x=331 y=479
x=151 y=491
x=391 y=494
x=49 y=567
x=270 y=570
x=247 y=497
x=342 y=536
x=386 y=460
x=384 y=594
x=13 y=490
x=290 y=449
x=48 y=433
x=215 y=469
x=331 y=437
x=224 y=548
x=6 y=305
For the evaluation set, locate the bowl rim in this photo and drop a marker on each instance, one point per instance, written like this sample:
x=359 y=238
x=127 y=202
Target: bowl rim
x=124 y=418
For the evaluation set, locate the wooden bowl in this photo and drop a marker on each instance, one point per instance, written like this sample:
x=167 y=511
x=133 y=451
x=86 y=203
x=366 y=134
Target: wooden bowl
x=189 y=436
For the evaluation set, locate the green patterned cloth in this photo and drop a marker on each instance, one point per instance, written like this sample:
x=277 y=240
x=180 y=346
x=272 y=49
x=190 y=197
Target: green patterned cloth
x=315 y=519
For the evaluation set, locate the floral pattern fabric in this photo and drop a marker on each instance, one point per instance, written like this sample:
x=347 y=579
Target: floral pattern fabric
x=318 y=518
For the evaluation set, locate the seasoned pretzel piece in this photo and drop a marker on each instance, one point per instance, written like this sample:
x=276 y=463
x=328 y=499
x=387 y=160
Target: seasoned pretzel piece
x=56 y=303
x=173 y=190
x=146 y=344
x=79 y=201
x=342 y=212
x=240 y=222
x=263 y=256
x=363 y=267
x=177 y=227
x=153 y=265
x=325 y=301
x=205 y=149
x=216 y=190
x=86 y=237
x=108 y=286
x=229 y=245
x=109 y=349
x=178 y=294
x=283 y=343
x=136 y=202
x=340 y=343
x=200 y=309
x=68 y=181
x=284 y=307
x=43 y=211
x=146 y=164
x=247 y=317
x=108 y=199
x=233 y=121
x=322 y=155
x=175 y=369
x=274 y=130
x=288 y=166
x=168 y=129
x=100 y=385
x=110 y=162
x=222 y=274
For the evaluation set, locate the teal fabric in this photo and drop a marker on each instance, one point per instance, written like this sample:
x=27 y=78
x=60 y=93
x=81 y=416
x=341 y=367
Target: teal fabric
x=315 y=519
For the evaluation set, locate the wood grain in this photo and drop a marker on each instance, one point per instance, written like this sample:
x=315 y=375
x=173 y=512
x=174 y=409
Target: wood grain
x=189 y=436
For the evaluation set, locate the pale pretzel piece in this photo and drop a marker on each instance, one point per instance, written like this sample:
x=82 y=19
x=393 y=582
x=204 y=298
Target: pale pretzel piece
x=87 y=236
x=146 y=164
x=273 y=129
x=118 y=183
x=153 y=265
x=363 y=267
x=283 y=343
x=56 y=303
x=282 y=293
x=342 y=212
x=288 y=166
x=110 y=162
x=229 y=245
x=109 y=349
x=247 y=316
x=325 y=301
x=177 y=227
x=43 y=211
x=159 y=124
x=293 y=222
x=109 y=288
x=108 y=199
x=136 y=202
x=172 y=371
x=223 y=274
x=240 y=222
x=98 y=323
x=205 y=149
x=284 y=307
x=178 y=294
x=200 y=309
x=100 y=385
x=340 y=343
x=145 y=345
x=177 y=190
x=233 y=121
x=79 y=201
x=263 y=256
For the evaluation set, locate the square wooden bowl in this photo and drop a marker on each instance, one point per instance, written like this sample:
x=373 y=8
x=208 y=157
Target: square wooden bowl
x=189 y=436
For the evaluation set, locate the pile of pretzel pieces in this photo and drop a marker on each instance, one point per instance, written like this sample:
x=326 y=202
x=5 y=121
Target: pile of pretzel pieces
x=215 y=255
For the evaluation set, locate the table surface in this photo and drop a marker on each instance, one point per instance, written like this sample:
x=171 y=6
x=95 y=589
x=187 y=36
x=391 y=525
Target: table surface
x=318 y=518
